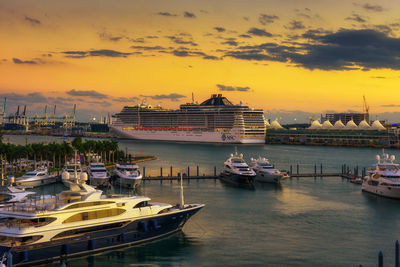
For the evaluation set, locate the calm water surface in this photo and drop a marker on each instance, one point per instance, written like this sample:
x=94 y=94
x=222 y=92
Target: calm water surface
x=303 y=222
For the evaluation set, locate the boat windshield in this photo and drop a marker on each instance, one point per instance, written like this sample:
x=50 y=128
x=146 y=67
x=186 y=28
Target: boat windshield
x=268 y=167
x=30 y=174
x=98 y=170
x=243 y=169
x=237 y=161
x=97 y=166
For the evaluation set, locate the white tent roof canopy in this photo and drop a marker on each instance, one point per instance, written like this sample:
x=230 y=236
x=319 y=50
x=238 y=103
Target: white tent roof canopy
x=275 y=125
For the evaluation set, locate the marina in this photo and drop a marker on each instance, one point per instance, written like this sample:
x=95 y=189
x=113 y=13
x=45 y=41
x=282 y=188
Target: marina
x=318 y=199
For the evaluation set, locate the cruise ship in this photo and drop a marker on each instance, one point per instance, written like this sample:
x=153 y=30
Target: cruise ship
x=215 y=120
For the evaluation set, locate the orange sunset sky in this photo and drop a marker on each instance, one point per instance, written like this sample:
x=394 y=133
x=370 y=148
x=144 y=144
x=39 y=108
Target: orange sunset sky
x=293 y=58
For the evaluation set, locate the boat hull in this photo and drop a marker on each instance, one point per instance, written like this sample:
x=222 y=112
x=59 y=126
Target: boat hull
x=99 y=181
x=269 y=178
x=188 y=136
x=237 y=179
x=128 y=182
x=133 y=233
x=380 y=190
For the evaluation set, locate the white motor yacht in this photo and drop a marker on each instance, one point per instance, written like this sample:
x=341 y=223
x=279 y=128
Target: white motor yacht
x=74 y=171
x=127 y=175
x=83 y=221
x=35 y=178
x=384 y=179
x=237 y=171
x=266 y=172
x=98 y=175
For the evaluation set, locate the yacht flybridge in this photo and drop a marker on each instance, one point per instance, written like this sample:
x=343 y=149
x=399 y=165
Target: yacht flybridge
x=384 y=179
x=128 y=175
x=98 y=175
x=266 y=172
x=82 y=221
x=237 y=171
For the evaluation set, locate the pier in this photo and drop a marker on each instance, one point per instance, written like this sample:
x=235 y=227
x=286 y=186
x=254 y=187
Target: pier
x=346 y=173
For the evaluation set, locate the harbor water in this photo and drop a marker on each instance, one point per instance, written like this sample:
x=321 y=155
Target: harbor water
x=303 y=222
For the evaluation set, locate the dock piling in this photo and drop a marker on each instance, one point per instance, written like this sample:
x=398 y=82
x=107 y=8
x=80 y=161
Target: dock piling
x=215 y=170
x=380 y=259
x=188 y=172
x=197 y=170
x=161 y=172
x=396 y=260
x=291 y=169
x=170 y=171
x=297 y=168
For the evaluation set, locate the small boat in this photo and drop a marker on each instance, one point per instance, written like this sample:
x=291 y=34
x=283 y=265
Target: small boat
x=127 y=175
x=384 y=179
x=266 y=172
x=82 y=221
x=98 y=175
x=35 y=178
x=356 y=180
x=237 y=171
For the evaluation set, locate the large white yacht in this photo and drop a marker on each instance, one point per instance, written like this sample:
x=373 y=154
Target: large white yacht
x=237 y=171
x=84 y=221
x=98 y=175
x=266 y=172
x=384 y=179
x=35 y=178
x=127 y=175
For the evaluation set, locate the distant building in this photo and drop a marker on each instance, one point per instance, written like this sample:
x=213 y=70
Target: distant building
x=346 y=117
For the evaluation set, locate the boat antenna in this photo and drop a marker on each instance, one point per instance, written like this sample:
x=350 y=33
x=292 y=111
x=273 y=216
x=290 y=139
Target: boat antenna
x=182 y=202
x=75 y=171
x=236 y=151
x=192 y=98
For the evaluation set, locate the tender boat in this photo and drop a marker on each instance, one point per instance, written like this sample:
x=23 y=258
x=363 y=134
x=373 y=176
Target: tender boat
x=35 y=178
x=266 y=172
x=83 y=221
x=127 y=175
x=384 y=179
x=237 y=171
x=98 y=175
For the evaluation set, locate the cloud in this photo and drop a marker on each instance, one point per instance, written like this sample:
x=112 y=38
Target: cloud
x=219 y=29
x=231 y=42
x=182 y=52
x=34 y=97
x=259 y=32
x=190 y=15
x=265 y=19
x=86 y=93
x=245 y=36
x=106 y=36
x=95 y=53
x=357 y=18
x=32 y=21
x=19 y=61
x=378 y=77
x=376 y=8
x=342 y=50
x=125 y=99
x=148 y=48
x=179 y=40
x=167 y=14
x=296 y=25
x=172 y=97
x=232 y=88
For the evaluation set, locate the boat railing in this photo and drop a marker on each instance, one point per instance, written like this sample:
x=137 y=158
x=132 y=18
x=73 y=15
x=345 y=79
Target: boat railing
x=37 y=205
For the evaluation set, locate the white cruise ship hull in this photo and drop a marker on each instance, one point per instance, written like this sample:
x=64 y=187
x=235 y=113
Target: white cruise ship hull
x=187 y=136
x=381 y=190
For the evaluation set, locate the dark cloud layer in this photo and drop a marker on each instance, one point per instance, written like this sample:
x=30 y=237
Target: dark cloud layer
x=343 y=50
x=265 y=19
x=259 y=32
x=232 y=88
x=167 y=14
x=376 y=8
x=95 y=53
x=19 y=61
x=357 y=18
x=219 y=29
x=86 y=93
x=32 y=21
x=296 y=25
x=190 y=15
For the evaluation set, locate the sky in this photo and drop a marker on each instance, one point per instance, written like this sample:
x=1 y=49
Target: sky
x=292 y=58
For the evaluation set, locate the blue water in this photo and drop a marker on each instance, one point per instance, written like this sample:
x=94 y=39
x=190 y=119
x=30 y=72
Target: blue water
x=303 y=222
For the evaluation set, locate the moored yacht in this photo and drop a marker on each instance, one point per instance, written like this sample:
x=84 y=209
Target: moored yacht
x=71 y=173
x=127 y=175
x=237 y=171
x=83 y=221
x=384 y=179
x=35 y=178
x=266 y=172
x=98 y=175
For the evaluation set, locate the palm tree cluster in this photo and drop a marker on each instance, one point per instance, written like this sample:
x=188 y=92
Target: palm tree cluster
x=60 y=153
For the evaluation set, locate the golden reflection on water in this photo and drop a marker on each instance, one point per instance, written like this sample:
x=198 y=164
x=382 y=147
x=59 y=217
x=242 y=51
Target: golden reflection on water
x=293 y=202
